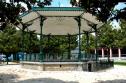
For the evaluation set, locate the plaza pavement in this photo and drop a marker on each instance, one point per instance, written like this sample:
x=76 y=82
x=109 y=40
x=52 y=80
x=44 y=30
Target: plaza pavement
x=16 y=74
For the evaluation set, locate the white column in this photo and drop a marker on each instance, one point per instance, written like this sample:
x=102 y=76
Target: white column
x=103 y=54
x=95 y=51
x=110 y=53
x=119 y=53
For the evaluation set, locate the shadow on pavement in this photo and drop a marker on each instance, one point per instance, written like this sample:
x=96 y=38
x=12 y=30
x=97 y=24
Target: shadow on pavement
x=114 y=81
x=7 y=78
x=11 y=78
x=45 y=80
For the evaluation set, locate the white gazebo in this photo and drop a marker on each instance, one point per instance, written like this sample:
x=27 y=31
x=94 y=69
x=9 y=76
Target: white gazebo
x=61 y=21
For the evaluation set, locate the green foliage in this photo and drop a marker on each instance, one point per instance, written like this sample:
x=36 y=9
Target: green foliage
x=106 y=36
x=122 y=34
x=91 y=42
x=88 y=47
x=9 y=12
x=111 y=38
x=58 y=44
x=40 y=3
x=30 y=42
x=103 y=9
x=120 y=63
x=73 y=2
x=9 y=40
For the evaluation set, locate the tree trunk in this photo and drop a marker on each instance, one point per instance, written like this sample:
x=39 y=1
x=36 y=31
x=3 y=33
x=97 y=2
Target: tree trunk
x=108 y=54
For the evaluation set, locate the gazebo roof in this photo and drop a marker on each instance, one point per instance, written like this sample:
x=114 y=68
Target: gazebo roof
x=60 y=20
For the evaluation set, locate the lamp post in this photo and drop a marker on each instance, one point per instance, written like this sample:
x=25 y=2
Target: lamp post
x=78 y=19
x=42 y=19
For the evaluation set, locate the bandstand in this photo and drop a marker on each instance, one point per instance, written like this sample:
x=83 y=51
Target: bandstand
x=61 y=21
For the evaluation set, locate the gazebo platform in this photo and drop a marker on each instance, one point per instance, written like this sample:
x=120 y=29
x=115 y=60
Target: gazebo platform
x=67 y=66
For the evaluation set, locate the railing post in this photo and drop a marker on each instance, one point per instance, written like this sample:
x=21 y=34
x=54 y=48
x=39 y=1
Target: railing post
x=87 y=44
x=22 y=43
x=69 y=48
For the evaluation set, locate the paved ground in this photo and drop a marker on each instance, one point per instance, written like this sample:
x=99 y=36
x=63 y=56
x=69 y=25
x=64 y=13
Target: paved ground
x=15 y=74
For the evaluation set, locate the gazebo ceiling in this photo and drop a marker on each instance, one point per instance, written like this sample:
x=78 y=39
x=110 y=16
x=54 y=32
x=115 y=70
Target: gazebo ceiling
x=59 y=26
x=60 y=21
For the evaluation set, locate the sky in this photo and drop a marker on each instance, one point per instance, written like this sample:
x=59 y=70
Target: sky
x=115 y=24
x=66 y=3
x=60 y=3
x=120 y=6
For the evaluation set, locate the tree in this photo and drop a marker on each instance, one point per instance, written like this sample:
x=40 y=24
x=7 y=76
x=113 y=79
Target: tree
x=103 y=9
x=9 y=41
x=106 y=36
x=30 y=42
x=120 y=40
x=112 y=38
x=91 y=45
x=9 y=12
x=57 y=45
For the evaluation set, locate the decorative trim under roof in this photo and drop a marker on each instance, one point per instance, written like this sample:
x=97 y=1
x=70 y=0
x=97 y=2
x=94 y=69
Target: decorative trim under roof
x=57 y=9
x=34 y=9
